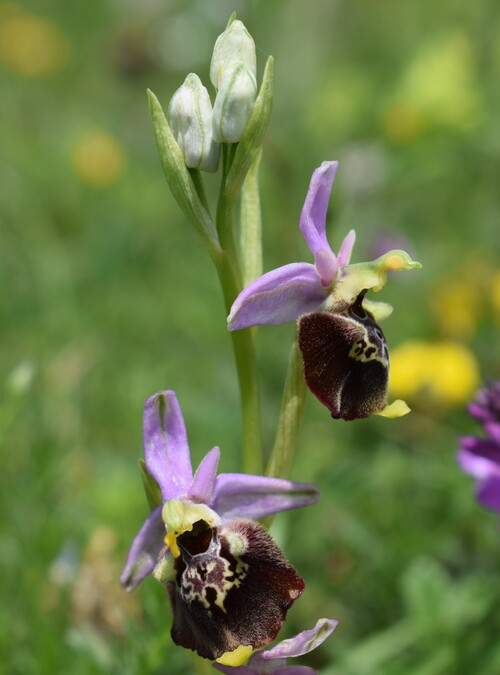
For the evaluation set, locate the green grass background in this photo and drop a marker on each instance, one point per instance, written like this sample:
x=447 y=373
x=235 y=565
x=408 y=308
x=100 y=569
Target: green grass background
x=107 y=296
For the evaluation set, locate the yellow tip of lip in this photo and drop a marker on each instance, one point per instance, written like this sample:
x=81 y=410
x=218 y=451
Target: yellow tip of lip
x=396 y=409
x=238 y=657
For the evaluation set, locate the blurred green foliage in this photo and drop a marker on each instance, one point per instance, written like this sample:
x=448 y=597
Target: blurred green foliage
x=107 y=297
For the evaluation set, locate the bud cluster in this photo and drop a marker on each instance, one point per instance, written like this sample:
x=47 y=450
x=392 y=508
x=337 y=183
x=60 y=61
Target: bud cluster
x=198 y=128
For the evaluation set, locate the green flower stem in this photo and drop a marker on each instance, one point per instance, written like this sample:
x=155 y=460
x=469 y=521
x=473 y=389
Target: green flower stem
x=229 y=273
x=244 y=354
x=251 y=224
x=292 y=409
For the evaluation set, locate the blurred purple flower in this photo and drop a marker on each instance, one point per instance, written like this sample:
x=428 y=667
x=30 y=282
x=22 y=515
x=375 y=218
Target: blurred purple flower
x=480 y=457
x=273 y=661
x=228 y=583
x=346 y=362
x=486 y=407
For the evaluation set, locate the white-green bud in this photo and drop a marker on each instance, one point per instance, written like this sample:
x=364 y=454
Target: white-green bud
x=234 y=44
x=190 y=117
x=234 y=103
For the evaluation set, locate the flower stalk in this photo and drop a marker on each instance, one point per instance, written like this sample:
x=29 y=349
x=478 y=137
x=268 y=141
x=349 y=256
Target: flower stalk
x=251 y=225
x=244 y=355
x=292 y=410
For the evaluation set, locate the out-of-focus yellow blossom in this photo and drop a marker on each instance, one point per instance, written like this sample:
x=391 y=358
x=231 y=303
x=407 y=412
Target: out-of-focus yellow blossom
x=445 y=372
x=30 y=45
x=438 y=89
x=495 y=295
x=457 y=305
x=98 y=158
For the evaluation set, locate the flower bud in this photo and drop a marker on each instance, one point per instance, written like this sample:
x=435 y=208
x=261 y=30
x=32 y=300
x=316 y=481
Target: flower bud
x=234 y=44
x=234 y=103
x=190 y=117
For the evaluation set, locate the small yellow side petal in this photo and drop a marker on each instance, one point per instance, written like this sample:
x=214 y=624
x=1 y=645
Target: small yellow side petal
x=238 y=657
x=171 y=541
x=379 y=310
x=396 y=409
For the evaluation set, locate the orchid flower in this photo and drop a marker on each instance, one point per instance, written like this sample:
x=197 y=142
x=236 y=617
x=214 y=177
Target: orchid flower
x=346 y=361
x=480 y=457
x=273 y=661
x=229 y=584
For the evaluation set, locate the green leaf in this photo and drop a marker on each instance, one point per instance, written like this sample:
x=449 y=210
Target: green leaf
x=151 y=487
x=372 y=654
x=470 y=602
x=426 y=588
x=438 y=662
x=491 y=662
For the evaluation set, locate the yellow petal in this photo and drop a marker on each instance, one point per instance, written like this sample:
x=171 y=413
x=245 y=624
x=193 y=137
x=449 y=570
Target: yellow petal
x=396 y=409
x=237 y=657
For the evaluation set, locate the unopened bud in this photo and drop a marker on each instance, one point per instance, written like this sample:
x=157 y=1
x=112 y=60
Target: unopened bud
x=234 y=44
x=190 y=117
x=234 y=103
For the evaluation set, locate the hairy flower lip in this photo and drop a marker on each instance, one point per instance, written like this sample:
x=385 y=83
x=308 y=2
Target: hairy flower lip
x=234 y=594
x=345 y=362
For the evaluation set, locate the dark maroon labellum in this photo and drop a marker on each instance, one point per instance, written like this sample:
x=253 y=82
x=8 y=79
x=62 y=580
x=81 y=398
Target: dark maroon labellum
x=233 y=587
x=346 y=361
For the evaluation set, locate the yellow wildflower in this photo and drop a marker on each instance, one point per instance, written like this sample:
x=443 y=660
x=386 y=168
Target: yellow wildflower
x=438 y=89
x=446 y=372
x=457 y=305
x=98 y=158
x=30 y=45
